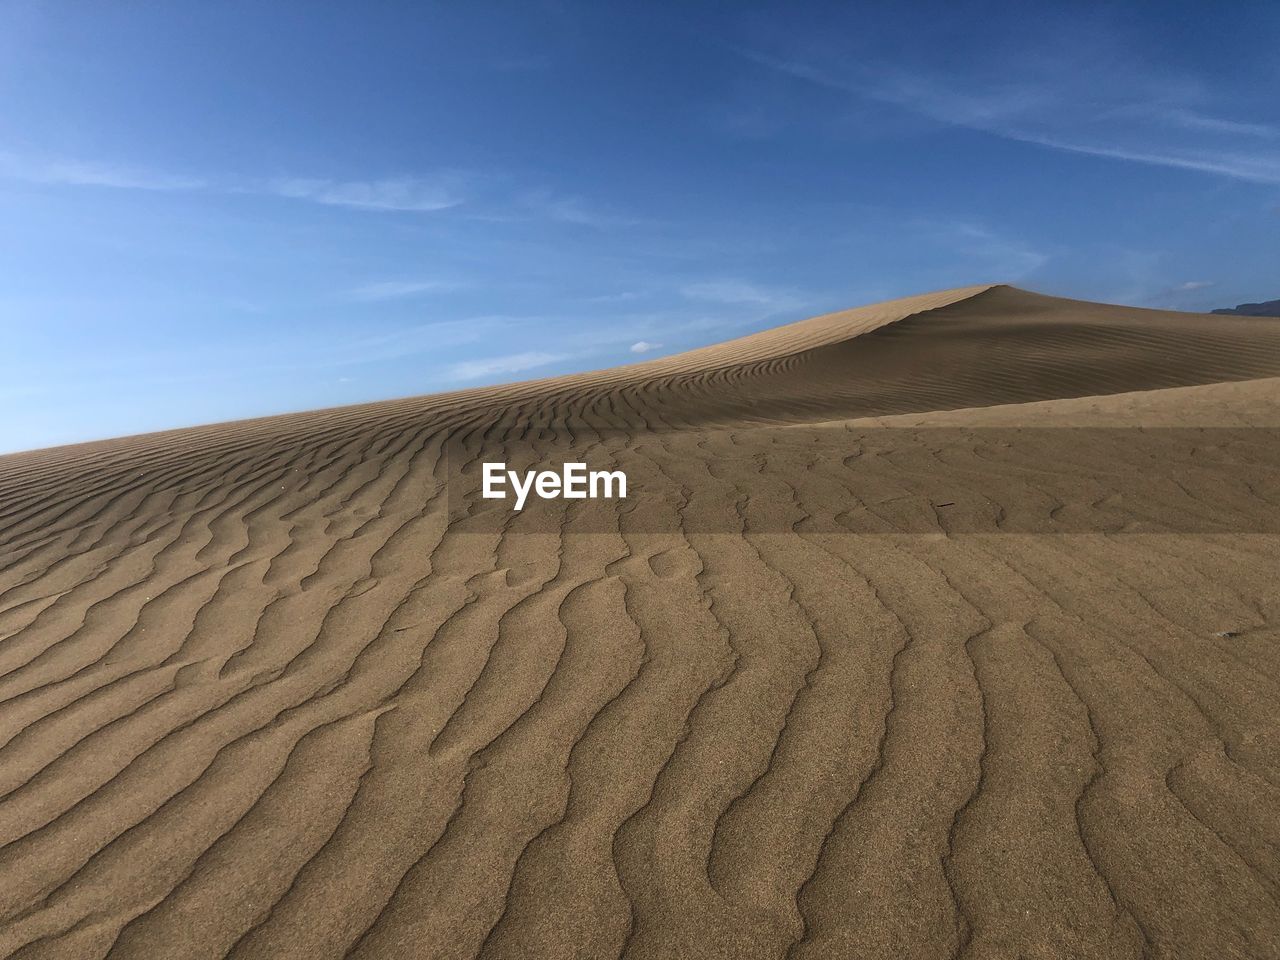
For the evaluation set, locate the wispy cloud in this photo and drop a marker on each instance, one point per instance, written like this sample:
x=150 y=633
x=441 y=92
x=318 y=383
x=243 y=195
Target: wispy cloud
x=735 y=292
x=644 y=346
x=417 y=340
x=426 y=193
x=84 y=174
x=573 y=210
x=405 y=194
x=511 y=363
x=1179 y=296
x=1135 y=118
x=1188 y=119
x=412 y=194
x=621 y=296
x=1256 y=168
x=1000 y=257
x=398 y=289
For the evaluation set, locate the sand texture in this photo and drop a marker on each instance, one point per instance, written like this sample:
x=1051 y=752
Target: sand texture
x=945 y=627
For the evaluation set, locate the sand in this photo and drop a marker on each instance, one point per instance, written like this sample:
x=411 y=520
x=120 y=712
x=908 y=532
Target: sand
x=942 y=627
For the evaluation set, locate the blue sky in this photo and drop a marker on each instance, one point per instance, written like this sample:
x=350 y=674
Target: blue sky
x=213 y=211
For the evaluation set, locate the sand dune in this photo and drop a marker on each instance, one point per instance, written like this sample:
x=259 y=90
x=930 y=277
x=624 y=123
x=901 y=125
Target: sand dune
x=941 y=627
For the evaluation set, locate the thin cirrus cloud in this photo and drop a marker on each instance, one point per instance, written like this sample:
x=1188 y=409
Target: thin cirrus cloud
x=1180 y=295
x=419 y=339
x=1261 y=168
x=418 y=194
x=1189 y=119
x=398 y=290
x=486 y=367
x=409 y=194
x=426 y=194
x=405 y=193
x=573 y=210
x=1134 y=118
x=1001 y=257
x=741 y=293
x=78 y=173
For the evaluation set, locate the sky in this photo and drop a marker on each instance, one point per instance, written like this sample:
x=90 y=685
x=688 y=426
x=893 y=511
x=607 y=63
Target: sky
x=217 y=211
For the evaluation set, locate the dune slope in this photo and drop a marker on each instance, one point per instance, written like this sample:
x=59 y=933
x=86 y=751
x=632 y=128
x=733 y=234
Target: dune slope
x=942 y=627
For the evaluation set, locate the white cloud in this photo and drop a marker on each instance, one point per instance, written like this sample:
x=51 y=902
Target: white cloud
x=1133 y=116
x=486 y=367
x=398 y=289
x=425 y=338
x=83 y=174
x=740 y=292
x=573 y=210
x=415 y=194
x=644 y=346
x=1178 y=296
x=406 y=194
x=1193 y=120
x=1001 y=258
x=1263 y=168
x=430 y=193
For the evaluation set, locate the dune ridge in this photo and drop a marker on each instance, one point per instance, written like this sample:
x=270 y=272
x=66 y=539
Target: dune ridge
x=261 y=695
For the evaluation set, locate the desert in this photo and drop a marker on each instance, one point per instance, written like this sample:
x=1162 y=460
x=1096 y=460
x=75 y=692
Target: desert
x=940 y=627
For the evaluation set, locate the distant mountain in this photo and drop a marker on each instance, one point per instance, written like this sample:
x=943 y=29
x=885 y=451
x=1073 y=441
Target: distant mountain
x=1268 y=308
